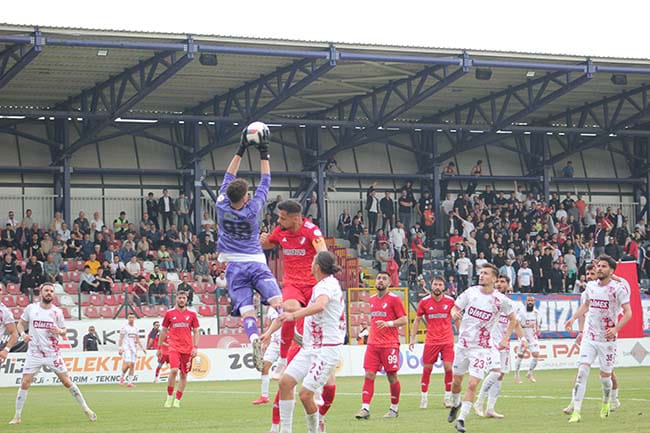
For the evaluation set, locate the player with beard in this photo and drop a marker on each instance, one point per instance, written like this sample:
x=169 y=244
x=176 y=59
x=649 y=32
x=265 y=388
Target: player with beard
x=529 y=320
x=491 y=387
x=435 y=309
x=482 y=306
x=45 y=324
x=604 y=300
x=7 y=326
x=387 y=315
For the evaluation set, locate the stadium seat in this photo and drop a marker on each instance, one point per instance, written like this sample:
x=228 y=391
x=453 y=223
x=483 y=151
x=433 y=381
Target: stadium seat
x=96 y=300
x=65 y=277
x=223 y=300
x=120 y=299
x=364 y=296
x=13 y=289
x=365 y=308
x=203 y=288
x=71 y=288
x=207 y=311
x=354 y=320
x=224 y=310
x=171 y=288
x=149 y=311
x=208 y=299
x=128 y=288
x=55 y=301
x=91 y=313
x=75 y=276
x=17 y=312
x=355 y=308
x=190 y=277
x=161 y=310
x=110 y=300
x=106 y=312
x=66 y=313
x=9 y=301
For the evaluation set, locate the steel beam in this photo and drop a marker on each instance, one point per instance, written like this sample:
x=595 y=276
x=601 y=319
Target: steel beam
x=16 y=57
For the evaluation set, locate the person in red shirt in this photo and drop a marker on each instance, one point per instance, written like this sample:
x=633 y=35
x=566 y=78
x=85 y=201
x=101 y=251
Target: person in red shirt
x=436 y=311
x=417 y=245
x=386 y=316
x=300 y=241
x=180 y=332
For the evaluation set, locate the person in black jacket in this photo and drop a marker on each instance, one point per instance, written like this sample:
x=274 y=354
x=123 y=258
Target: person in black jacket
x=166 y=208
x=8 y=271
x=547 y=267
x=91 y=340
x=152 y=209
x=372 y=207
x=387 y=207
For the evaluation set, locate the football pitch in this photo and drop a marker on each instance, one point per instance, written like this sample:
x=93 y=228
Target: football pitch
x=225 y=407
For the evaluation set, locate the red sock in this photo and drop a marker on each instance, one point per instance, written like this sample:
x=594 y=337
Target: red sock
x=329 y=391
x=286 y=337
x=426 y=378
x=368 y=391
x=275 y=419
x=170 y=391
x=395 y=389
x=449 y=378
x=179 y=395
x=158 y=370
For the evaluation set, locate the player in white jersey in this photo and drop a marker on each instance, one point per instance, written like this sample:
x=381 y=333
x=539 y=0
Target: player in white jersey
x=323 y=335
x=7 y=326
x=128 y=343
x=500 y=366
x=271 y=354
x=529 y=320
x=482 y=306
x=45 y=324
x=604 y=300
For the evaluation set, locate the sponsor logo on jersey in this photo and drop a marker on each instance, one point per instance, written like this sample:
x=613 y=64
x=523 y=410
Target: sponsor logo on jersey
x=437 y=316
x=378 y=314
x=479 y=314
x=294 y=252
x=42 y=324
x=503 y=320
x=601 y=304
x=180 y=325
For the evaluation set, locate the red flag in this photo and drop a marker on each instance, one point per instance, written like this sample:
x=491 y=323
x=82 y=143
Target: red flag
x=633 y=328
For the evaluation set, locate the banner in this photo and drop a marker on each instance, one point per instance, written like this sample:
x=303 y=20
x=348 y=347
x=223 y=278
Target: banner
x=633 y=328
x=237 y=363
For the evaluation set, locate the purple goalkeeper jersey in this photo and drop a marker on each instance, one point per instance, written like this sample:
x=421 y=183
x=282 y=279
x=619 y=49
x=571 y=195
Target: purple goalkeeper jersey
x=239 y=229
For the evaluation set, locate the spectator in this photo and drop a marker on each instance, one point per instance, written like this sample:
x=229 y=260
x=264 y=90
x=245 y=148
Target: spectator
x=207 y=248
x=11 y=220
x=93 y=263
x=118 y=270
x=166 y=208
x=417 y=246
x=91 y=340
x=556 y=279
x=158 y=293
x=611 y=249
x=82 y=222
x=152 y=209
x=221 y=285
x=164 y=258
x=452 y=287
x=97 y=221
x=477 y=170
x=133 y=268
x=9 y=272
x=365 y=247
x=105 y=281
x=372 y=208
x=387 y=209
x=383 y=257
x=121 y=226
x=51 y=270
x=208 y=223
x=140 y=292
x=354 y=232
x=178 y=259
x=428 y=220
x=185 y=286
x=571 y=263
x=580 y=285
x=525 y=278
x=412 y=274
x=405 y=208
x=57 y=221
x=567 y=171
x=29 y=283
x=202 y=270
x=464 y=269
x=182 y=207
x=36 y=269
x=330 y=166
x=87 y=281
x=397 y=238
x=126 y=253
x=448 y=171
x=27 y=219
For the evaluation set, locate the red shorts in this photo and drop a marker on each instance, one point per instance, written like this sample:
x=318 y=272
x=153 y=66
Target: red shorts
x=163 y=358
x=377 y=358
x=181 y=361
x=431 y=352
x=299 y=292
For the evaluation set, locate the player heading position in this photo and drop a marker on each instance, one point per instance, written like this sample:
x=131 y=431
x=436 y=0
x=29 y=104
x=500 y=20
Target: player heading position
x=435 y=309
x=239 y=243
x=180 y=331
x=300 y=241
x=45 y=323
x=386 y=316
x=324 y=331
x=128 y=343
x=482 y=305
x=603 y=301
x=529 y=320
x=7 y=326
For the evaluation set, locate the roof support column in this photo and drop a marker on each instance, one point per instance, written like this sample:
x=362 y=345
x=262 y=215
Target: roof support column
x=62 y=178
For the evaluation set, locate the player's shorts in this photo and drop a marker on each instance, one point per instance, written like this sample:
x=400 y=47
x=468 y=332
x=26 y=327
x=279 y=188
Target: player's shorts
x=314 y=367
x=605 y=351
x=432 y=351
x=163 y=358
x=377 y=358
x=500 y=359
x=129 y=356
x=299 y=292
x=472 y=360
x=533 y=346
x=243 y=278
x=272 y=353
x=181 y=361
x=34 y=362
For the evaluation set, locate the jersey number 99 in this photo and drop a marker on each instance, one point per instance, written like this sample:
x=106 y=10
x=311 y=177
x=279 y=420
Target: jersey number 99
x=240 y=230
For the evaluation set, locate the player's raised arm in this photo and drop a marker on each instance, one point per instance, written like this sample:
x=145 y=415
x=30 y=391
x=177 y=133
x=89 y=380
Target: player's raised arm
x=233 y=167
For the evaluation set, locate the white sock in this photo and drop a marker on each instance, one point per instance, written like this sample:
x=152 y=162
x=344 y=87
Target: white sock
x=425 y=395
x=275 y=428
x=447 y=395
x=493 y=395
x=455 y=399
x=488 y=383
x=614 y=395
x=76 y=393
x=21 y=398
x=286 y=415
x=518 y=365
x=265 y=385
x=365 y=406
x=607 y=388
x=464 y=410
x=129 y=379
x=580 y=387
x=394 y=407
x=312 y=422
x=533 y=364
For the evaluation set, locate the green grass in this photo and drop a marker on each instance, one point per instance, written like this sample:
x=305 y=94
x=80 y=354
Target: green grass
x=225 y=407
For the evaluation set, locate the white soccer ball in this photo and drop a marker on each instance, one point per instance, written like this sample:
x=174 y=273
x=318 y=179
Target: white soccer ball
x=254 y=129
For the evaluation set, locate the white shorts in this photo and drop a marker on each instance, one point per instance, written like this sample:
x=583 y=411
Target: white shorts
x=533 y=346
x=472 y=360
x=272 y=353
x=129 y=356
x=500 y=359
x=313 y=368
x=34 y=362
x=605 y=351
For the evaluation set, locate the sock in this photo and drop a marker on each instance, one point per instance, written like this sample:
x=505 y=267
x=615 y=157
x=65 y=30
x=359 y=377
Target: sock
x=368 y=391
x=179 y=395
x=533 y=364
x=265 y=385
x=312 y=422
x=449 y=378
x=158 y=370
x=426 y=378
x=518 y=365
x=493 y=395
x=250 y=326
x=488 y=383
x=395 y=389
x=607 y=388
x=329 y=391
x=74 y=390
x=170 y=391
x=614 y=395
x=21 y=398
x=129 y=379
x=286 y=415
x=275 y=428
x=286 y=336
x=580 y=387
x=455 y=398
x=275 y=414
x=464 y=410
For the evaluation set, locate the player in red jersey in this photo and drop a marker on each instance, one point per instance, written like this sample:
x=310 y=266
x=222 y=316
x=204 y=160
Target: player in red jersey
x=300 y=241
x=436 y=311
x=387 y=315
x=180 y=332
